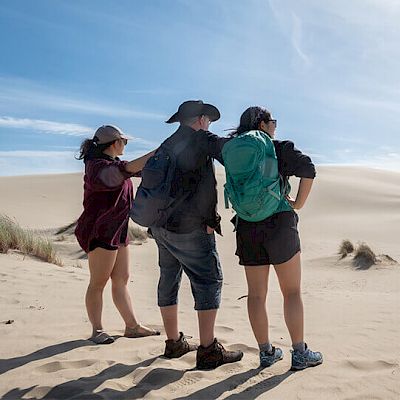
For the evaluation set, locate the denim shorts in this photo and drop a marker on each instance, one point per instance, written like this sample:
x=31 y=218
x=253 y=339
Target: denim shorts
x=194 y=253
x=274 y=240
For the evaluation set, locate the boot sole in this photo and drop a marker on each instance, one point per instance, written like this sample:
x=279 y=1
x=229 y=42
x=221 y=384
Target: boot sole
x=300 y=368
x=269 y=365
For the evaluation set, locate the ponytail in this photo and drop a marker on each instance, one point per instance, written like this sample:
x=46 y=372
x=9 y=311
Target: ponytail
x=90 y=148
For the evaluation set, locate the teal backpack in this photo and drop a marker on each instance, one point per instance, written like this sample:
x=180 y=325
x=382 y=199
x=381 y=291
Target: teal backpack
x=253 y=186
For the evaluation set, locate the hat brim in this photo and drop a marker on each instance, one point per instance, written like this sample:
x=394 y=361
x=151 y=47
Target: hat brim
x=127 y=137
x=207 y=109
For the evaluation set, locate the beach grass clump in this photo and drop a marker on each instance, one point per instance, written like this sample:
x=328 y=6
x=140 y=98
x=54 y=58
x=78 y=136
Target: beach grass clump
x=137 y=234
x=67 y=229
x=346 y=248
x=364 y=257
x=14 y=237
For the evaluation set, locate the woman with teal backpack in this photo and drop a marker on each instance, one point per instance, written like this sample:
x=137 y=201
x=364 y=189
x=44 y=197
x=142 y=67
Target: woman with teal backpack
x=266 y=226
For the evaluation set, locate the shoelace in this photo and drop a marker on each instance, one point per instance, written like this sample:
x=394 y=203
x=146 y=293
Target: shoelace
x=219 y=345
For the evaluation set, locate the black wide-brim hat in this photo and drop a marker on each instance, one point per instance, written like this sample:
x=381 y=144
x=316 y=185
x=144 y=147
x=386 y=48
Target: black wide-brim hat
x=195 y=108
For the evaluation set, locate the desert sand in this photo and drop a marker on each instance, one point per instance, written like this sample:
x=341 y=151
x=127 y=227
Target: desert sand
x=351 y=315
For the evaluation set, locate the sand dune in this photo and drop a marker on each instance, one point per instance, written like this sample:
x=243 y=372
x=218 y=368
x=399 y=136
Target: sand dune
x=352 y=315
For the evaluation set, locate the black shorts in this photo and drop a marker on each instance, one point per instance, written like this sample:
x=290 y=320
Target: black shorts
x=274 y=240
x=95 y=243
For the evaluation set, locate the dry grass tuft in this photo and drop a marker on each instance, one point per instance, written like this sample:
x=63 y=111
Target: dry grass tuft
x=13 y=237
x=67 y=229
x=346 y=247
x=387 y=259
x=78 y=265
x=364 y=257
x=137 y=234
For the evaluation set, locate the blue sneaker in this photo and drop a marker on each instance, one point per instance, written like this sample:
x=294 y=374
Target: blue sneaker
x=308 y=358
x=267 y=359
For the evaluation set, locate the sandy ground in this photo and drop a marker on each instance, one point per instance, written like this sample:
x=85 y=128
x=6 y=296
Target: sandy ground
x=352 y=315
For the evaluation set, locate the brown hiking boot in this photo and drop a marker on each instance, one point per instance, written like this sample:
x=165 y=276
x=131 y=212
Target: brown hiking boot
x=176 y=349
x=215 y=355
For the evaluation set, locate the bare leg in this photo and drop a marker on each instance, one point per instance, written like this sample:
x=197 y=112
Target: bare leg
x=101 y=263
x=206 y=320
x=120 y=293
x=170 y=319
x=289 y=276
x=257 y=282
x=122 y=299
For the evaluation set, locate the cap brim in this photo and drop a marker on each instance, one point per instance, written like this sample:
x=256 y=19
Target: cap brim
x=127 y=137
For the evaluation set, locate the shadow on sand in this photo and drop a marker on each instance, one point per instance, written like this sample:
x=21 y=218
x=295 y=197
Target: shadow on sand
x=214 y=391
x=83 y=388
x=157 y=378
x=12 y=363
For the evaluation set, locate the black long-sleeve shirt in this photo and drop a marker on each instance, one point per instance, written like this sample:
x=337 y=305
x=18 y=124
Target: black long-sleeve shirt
x=292 y=162
x=195 y=170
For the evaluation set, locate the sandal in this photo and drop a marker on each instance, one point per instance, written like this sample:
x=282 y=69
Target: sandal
x=101 y=337
x=140 y=331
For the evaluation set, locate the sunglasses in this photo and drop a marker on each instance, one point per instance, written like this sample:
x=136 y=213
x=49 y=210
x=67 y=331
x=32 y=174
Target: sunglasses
x=125 y=141
x=274 y=121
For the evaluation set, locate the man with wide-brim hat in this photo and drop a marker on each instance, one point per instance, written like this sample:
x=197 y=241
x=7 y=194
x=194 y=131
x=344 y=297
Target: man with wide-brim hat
x=187 y=241
x=195 y=108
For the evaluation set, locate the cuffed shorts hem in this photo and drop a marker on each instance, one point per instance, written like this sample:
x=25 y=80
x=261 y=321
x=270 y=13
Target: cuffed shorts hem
x=167 y=303
x=206 y=307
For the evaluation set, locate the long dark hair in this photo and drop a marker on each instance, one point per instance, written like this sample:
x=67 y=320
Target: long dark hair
x=91 y=149
x=250 y=120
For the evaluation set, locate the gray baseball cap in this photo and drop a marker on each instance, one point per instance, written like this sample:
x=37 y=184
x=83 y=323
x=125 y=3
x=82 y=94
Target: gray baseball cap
x=194 y=108
x=109 y=133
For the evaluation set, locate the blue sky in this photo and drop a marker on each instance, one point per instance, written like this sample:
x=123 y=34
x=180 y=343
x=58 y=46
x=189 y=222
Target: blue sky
x=328 y=71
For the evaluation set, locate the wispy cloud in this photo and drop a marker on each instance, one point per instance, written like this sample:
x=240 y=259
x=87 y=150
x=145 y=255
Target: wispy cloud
x=292 y=27
x=351 y=99
x=296 y=39
x=60 y=128
x=24 y=92
x=37 y=154
x=366 y=13
x=40 y=125
x=31 y=162
x=20 y=162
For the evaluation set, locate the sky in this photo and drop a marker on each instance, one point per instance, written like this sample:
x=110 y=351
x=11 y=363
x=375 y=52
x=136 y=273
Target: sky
x=327 y=70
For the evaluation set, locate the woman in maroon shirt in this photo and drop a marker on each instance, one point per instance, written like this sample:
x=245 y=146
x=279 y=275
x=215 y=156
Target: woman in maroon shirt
x=102 y=229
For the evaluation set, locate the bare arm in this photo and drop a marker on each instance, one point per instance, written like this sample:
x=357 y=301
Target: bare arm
x=302 y=193
x=137 y=165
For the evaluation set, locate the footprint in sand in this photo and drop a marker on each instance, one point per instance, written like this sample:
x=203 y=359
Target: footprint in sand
x=190 y=378
x=36 y=307
x=55 y=366
x=371 y=366
x=228 y=369
x=8 y=300
x=223 y=329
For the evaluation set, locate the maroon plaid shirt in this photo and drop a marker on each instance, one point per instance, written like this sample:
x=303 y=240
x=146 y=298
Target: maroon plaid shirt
x=107 y=199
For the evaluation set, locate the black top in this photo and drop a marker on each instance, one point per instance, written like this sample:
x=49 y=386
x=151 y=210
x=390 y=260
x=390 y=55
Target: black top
x=292 y=161
x=195 y=170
